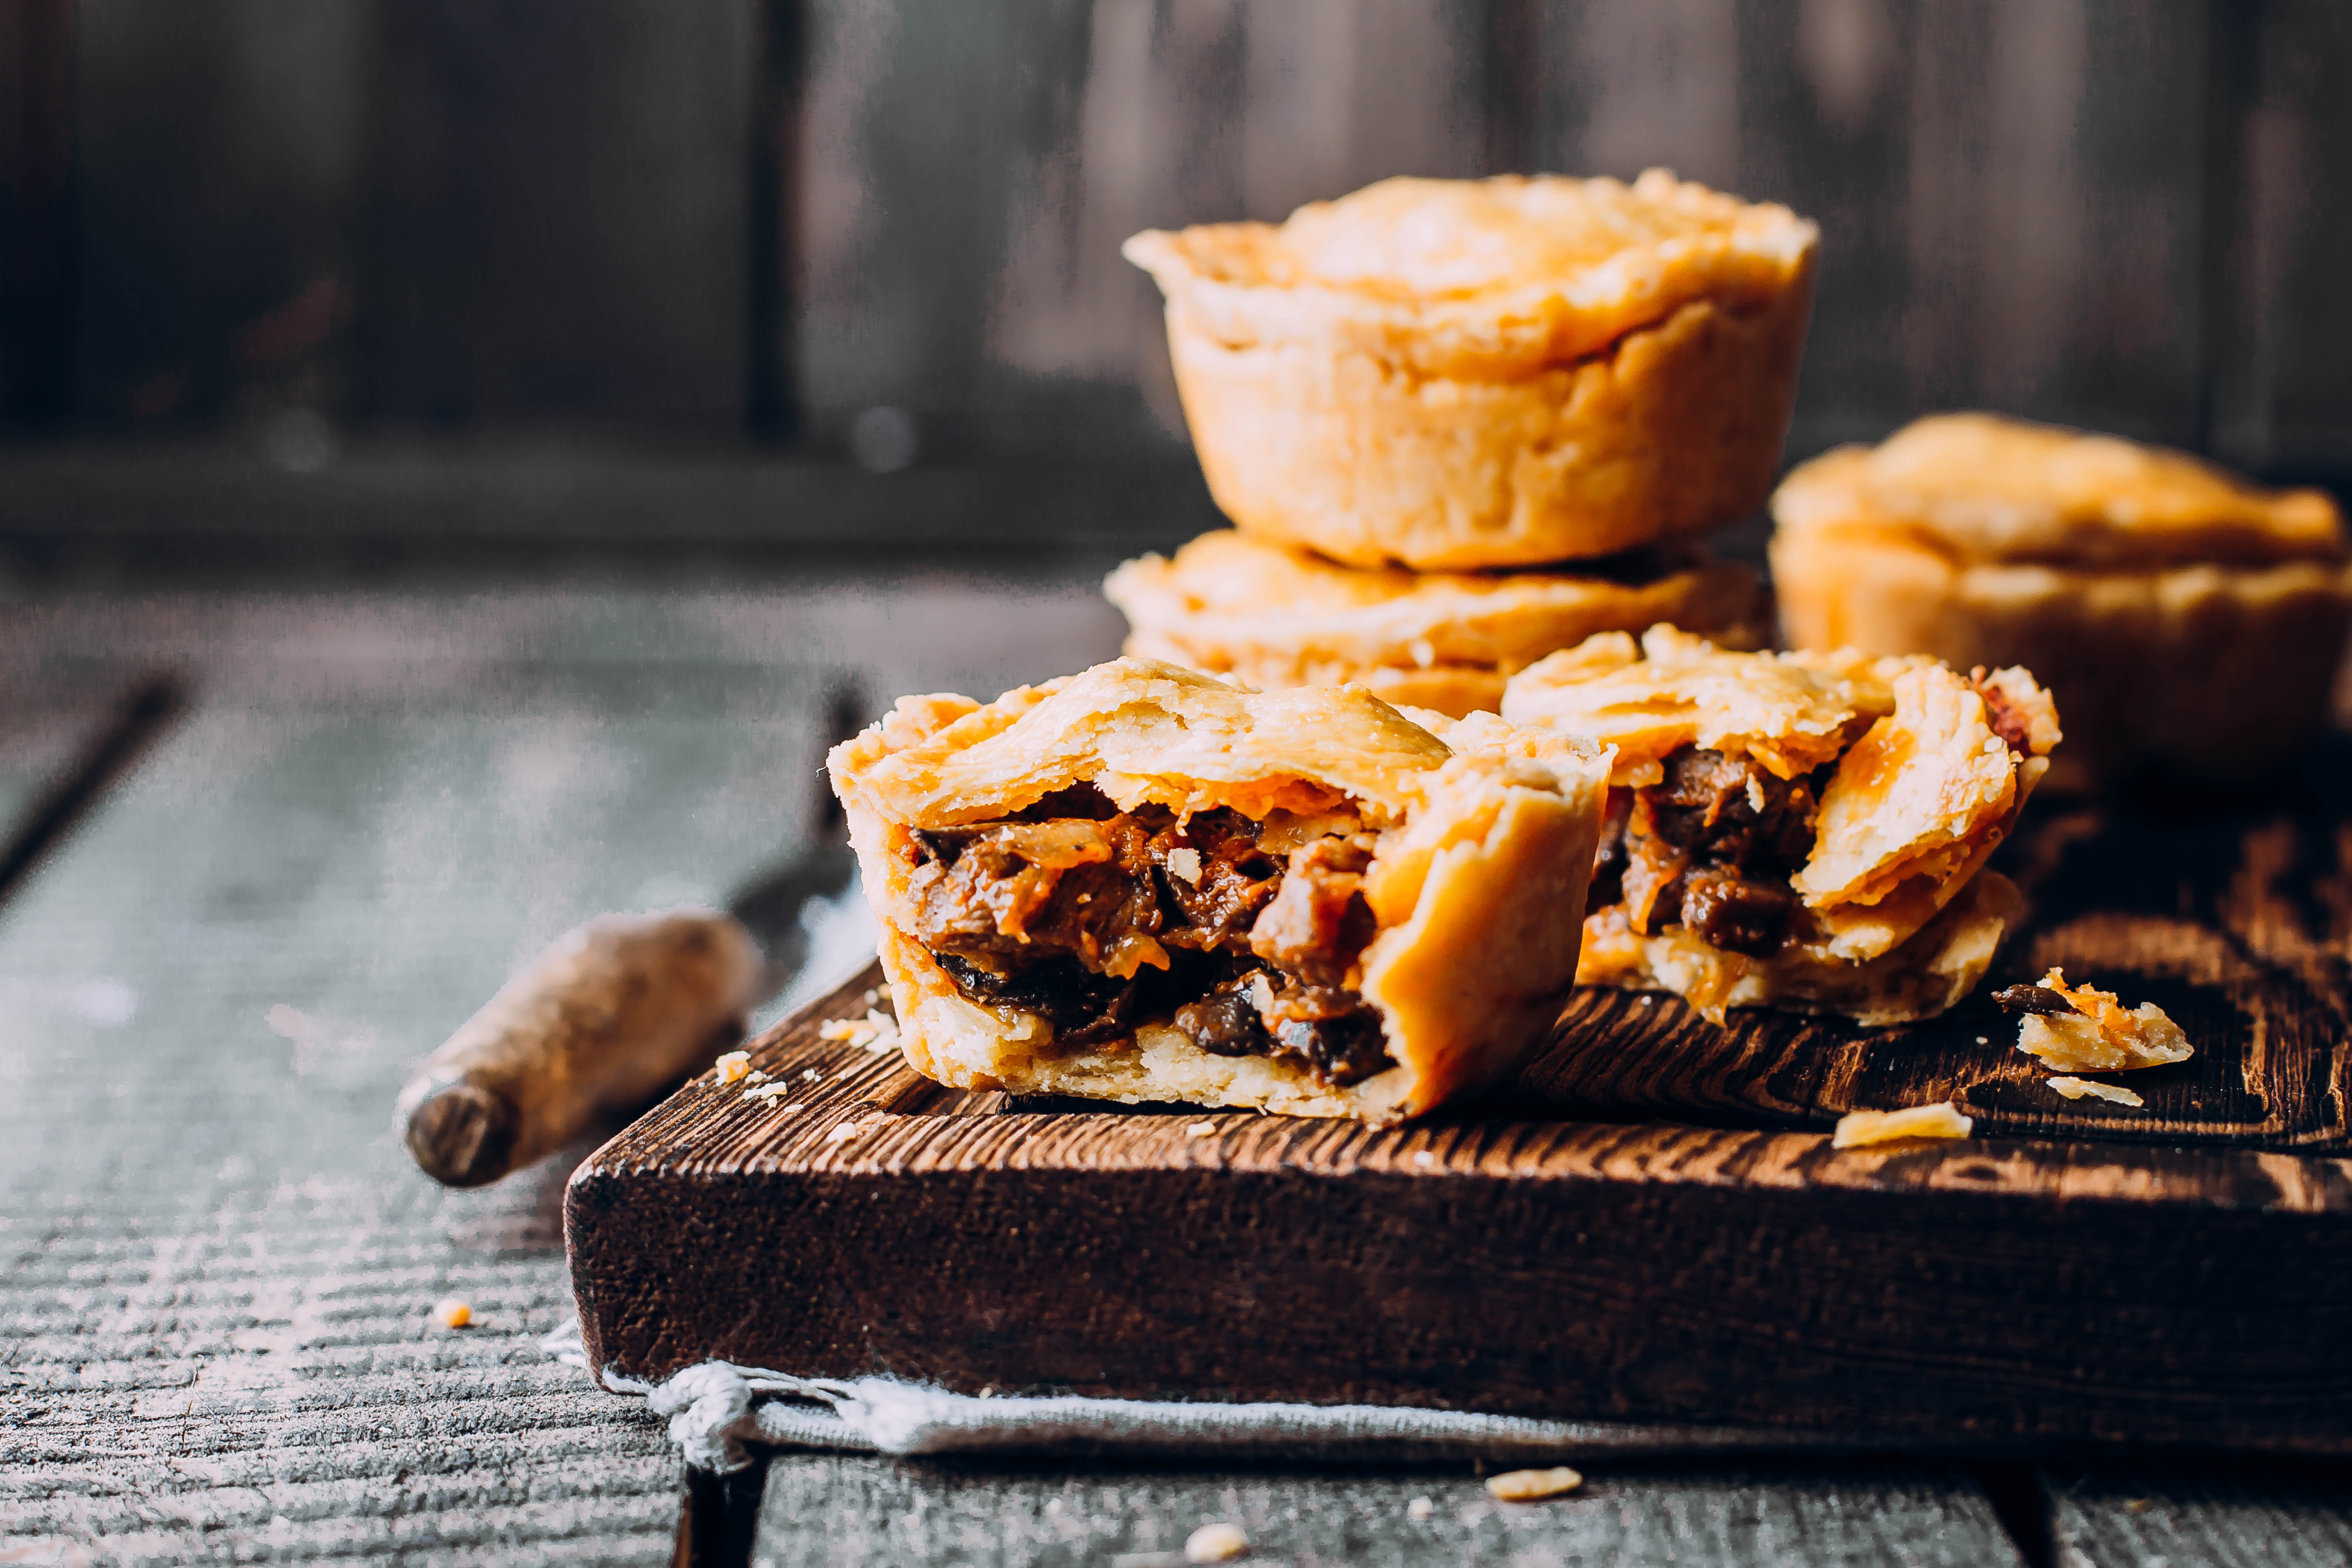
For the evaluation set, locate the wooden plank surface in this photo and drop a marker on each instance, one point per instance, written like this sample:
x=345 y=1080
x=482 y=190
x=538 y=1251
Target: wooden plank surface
x=2203 y=1516
x=2002 y=1293
x=833 y=1510
x=216 y=1258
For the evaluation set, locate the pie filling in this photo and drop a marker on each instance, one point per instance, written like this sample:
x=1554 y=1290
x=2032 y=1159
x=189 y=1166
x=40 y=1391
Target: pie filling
x=1712 y=844
x=1242 y=935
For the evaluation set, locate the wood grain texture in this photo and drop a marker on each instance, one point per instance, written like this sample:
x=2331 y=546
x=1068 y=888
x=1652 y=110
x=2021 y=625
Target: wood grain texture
x=2296 y=1515
x=217 y=1262
x=830 y=1510
x=1989 y=1292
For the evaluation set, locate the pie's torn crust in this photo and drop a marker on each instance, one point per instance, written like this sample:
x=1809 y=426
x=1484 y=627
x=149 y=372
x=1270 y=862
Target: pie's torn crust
x=2078 y=1088
x=1272 y=616
x=2179 y=612
x=2101 y=1035
x=1485 y=841
x=1903 y=918
x=1493 y=372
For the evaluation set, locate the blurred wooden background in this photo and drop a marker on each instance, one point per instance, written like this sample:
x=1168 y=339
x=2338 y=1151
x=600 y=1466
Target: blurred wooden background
x=889 y=228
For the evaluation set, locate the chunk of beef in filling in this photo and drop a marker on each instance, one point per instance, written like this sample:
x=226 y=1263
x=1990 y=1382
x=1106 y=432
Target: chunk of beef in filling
x=1102 y=920
x=1711 y=847
x=2002 y=717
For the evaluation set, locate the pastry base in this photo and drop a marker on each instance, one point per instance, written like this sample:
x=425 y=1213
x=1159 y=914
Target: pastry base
x=1675 y=430
x=1936 y=966
x=2214 y=672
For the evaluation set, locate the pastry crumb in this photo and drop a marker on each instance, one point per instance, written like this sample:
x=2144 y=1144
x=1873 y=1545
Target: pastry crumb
x=849 y=1129
x=877 y=1031
x=1201 y=1130
x=2077 y=1028
x=1419 y=1507
x=733 y=1066
x=1215 y=1543
x=770 y=1092
x=1857 y=1129
x=1423 y=1158
x=1185 y=863
x=1533 y=1486
x=2076 y=1087
x=452 y=1313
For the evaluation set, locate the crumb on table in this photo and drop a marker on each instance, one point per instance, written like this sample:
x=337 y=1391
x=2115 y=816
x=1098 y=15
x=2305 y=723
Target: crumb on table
x=452 y=1313
x=1533 y=1486
x=733 y=1066
x=877 y=1031
x=1857 y=1129
x=1215 y=1543
x=2115 y=1093
x=2083 y=1029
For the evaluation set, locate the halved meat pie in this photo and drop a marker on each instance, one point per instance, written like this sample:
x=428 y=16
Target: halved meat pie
x=1140 y=883
x=1799 y=830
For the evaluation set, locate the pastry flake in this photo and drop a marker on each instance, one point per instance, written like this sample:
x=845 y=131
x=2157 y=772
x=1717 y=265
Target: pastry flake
x=2081 y=1088
x=1273 y=615
x=2078 y=1029
x=1795 y=829
x=1140 y=883
x=2181 y=615
x=1493 y=372
x=1860 y=1129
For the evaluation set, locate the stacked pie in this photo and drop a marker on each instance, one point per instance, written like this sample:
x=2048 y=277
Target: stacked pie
x=1460 y=425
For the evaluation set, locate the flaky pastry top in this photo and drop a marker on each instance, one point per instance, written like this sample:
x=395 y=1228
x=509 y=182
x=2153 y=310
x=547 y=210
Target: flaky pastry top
x=1228 y=591
x=1924 y=787
x=1790 y=711
x=1984 y=488
x=1144 y=731
x=1498 y=275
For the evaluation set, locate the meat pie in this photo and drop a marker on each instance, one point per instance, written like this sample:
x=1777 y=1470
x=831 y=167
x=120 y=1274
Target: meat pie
x=1141 y=884
x=1797 y=831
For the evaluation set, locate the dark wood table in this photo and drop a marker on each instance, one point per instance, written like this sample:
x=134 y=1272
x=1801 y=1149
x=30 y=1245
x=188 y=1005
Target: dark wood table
x=219 y=1264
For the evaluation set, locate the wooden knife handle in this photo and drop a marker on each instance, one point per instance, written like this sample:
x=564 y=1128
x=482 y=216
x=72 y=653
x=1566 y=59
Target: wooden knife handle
x=617 y=1011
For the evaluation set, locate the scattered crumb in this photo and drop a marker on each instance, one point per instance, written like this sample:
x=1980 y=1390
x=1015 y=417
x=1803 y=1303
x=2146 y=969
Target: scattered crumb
x=2076 y=1087
x=1215 y=1543
x=810 y=1075
x=1423 y=1158
x=2136 y=1505
x=1185 y=863
x=1533 y=1486
x=1201 y=1130
x=877 y=1031
x=849 y=1129
x=733 y=1066
x=1054 y=1507
x=1648 y=1001
x=870 y=998
x=988 y=1390
x=1419 y=1507
x=452 y=1313
x=1857 y=1127
x=1984 y=1039
x=2099 y=1035
x=770 y=1092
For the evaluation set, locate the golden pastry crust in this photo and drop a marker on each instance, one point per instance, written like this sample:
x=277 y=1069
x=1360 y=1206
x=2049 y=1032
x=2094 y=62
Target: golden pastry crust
x=1273 y=615
x=2179 y=614
x=1899 y=777
x=1478 y=373
x=1484 y=842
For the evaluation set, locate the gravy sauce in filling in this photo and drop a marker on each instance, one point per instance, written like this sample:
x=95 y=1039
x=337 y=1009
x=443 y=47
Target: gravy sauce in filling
x=1100 y=920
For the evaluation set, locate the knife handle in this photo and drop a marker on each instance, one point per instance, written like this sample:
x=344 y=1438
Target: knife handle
x=615 y=1012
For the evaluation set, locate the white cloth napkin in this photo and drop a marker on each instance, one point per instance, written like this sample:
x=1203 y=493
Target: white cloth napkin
x=717 y=1407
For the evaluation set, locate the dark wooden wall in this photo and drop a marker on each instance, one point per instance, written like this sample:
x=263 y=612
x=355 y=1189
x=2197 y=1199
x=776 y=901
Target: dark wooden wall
x=713 y=219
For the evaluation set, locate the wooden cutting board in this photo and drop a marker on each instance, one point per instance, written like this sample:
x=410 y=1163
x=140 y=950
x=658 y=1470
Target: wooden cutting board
x=1649 y=1225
